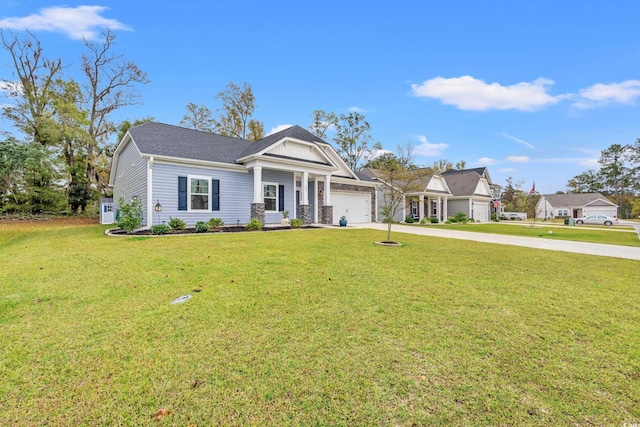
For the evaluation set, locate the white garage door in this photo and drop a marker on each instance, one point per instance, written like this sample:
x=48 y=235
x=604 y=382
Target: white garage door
x=481 y=212
x=355 y=206
x=601 y=211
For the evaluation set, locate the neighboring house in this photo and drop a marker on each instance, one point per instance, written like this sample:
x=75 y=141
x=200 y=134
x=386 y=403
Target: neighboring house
x=473 y=193
x=195 y=175
x=574 y=205
x=429 y=201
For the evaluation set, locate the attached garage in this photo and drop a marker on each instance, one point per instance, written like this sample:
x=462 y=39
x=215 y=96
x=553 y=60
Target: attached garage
x=356 y=207
x=481 y=212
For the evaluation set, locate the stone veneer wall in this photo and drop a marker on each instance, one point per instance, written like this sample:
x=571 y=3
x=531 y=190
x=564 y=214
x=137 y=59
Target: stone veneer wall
x=349 y=187
x=304 y=213
x=326 y=215
x=257 y=211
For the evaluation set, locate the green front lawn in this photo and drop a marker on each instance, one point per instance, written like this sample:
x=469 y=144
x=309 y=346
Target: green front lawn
x=312 y=327
x=625 y=236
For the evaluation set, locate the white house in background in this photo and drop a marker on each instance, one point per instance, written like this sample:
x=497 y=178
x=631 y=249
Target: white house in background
x=195 y=176
x=574 y=205
x=430 y=200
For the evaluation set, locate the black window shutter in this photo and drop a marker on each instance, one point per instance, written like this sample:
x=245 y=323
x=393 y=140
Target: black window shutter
x=280 y=198
x=215 y=194
x=182 y=193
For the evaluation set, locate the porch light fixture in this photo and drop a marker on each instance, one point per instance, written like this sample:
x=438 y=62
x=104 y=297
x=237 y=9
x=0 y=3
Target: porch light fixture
x=158 y=209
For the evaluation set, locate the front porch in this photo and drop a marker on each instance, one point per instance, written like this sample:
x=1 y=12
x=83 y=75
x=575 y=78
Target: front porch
x=425 y=206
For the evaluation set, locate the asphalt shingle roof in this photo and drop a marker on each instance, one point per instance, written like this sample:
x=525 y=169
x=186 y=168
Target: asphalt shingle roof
x=167 y=140
x=462 y=182
x=574 y=199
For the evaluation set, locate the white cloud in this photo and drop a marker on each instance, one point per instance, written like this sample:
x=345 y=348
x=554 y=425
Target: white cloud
x=521 y=141
x=518 y=159
x=278 y=129
x=506 y=170
x=590 y=163
x=357 y=110
x=486 y=161
x=469 y=93
x=601 y=94
x=428 y=149
x=78 y=22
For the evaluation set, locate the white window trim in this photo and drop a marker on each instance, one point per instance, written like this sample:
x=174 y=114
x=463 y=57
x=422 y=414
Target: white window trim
x=277 y=195
x=206 y=178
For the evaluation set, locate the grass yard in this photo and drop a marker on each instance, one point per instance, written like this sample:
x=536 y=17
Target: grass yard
x=625 y=236
x=311 y=327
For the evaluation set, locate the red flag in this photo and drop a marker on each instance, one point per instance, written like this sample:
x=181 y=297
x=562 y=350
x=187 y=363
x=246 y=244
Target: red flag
x=533 y=189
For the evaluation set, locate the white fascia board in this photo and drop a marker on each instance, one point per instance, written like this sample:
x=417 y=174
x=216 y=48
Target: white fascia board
x=607 y=202
x=126 y=139
x=327 y=148
x=265 y=150
x=289 y=165
x=195 y=163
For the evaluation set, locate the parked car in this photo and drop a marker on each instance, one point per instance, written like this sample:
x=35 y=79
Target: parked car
x=597 y=219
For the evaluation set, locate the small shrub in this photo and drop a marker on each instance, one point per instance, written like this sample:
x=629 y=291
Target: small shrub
x=202 y=227
x=460 y=217
x=494 y=217
x=296 y=223
x=448 y=221
x=216 y=223
x=285 y=214
x=409 y=220
x=435 y=220
x=160 y=229
x=177 y=224
x=451 y=220
x=424 y=220
x=472 y=220
x=254 y=224
x=130 y=217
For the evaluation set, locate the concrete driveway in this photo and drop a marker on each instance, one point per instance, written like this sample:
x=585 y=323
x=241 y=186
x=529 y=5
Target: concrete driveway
x=616 y=251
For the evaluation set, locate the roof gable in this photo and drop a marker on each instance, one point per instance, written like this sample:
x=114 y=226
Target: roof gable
x=464 y=183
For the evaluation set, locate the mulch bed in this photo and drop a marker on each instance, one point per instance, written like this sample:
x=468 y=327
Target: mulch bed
x=192 y=230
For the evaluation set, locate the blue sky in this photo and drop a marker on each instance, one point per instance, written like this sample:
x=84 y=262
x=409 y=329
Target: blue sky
x=532 y=90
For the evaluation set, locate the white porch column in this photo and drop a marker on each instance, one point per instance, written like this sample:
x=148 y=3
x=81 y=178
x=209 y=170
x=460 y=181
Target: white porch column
x=304 y=197
x=404 y=208
x=439 y=208
x=327 y=190
x=257 y=185
x=149 y=192
x=294 y=214
x=421 y=208
x=445 y=214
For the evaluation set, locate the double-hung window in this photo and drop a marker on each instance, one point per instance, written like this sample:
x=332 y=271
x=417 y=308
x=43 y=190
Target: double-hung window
x=199 y=193
x=270 y=193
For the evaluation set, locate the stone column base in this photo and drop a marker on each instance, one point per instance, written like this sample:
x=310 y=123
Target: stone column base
x=257 y=211
x=326 y=215
x=304 y=213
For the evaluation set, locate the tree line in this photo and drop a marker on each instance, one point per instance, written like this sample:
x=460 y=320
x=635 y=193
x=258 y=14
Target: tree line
x=60 y=158
x=618 y=177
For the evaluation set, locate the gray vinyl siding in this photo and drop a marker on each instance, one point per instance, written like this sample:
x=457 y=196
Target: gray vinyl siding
x=131 y=178
x=236 y=194
x=454 y=206
x=281 y=178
